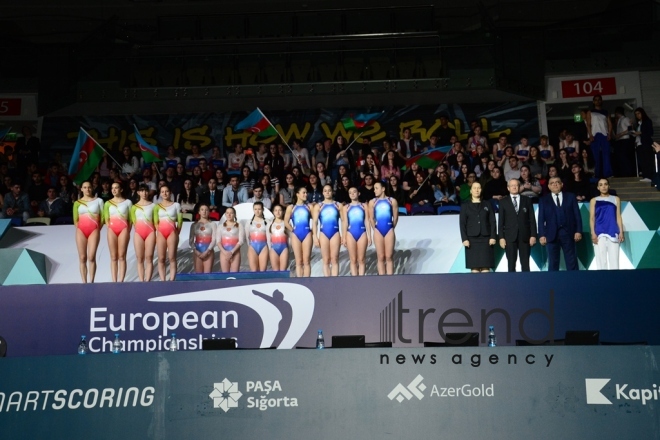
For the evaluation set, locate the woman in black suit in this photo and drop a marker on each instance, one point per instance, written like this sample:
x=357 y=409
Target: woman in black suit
x=478 y=231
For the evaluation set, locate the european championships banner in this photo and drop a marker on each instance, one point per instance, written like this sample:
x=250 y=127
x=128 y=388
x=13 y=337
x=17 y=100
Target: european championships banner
x=463 y=393
x=407 y=310
x=114 y=132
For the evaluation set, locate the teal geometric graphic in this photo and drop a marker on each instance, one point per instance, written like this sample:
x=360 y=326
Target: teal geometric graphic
x=631 y=219
x=4 y=225
x=540 y=256
x=459 y=262
x=650 y=258
x=649 y=213
x=585 y=250
x=586 y=227
x=22 y=266
x=635 y=245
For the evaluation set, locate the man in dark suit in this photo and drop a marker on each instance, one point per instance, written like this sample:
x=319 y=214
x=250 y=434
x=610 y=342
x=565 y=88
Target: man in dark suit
x=560 y=225
x=212 y=197
x=516 y=226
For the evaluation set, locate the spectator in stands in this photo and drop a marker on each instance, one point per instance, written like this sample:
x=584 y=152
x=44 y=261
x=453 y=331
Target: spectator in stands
x=578 y=183
x=67 y=193
x=260 y=157
x=147 y=179
x=106 y=165
x=172 y=182
x=461 y=163
x=301 y=157
x=473 y=126
x=496 y=188
x=546 y=151
x=407 y=146
x=188 y=198
x=394 y=190
x=319 y=155
x=236 y=160
x=198 y=183
x=367 y=190
x=553 y=171
x=288 y=190
x=217 y=160
x=464 y=189
x=599 y=127
x=53 y=175
x=192 y=160
x=477 y=139
x=324 y=177
x=481 y=163
x=456 y=148
x=514 y=169
x=16 y=204
x=587 y=163
x=537 y=166
x=462 y=176
x=286 y=155
x=623 y=145
x=343 y=171
x=299 y=178
x=560 y=225
x=258 y=196
x=215 y=199
x=409 y=178
x=130 y=165
x=269 y=190
x=38 y=191
x=422 y=198
x=522 y=149
x=132 y=192
x=106 y=193
x=503 y=162
x=343 y=156
x=29 y=181
x=388 y=145
x=171 y=159
x=341 y=194
x=95 y=181
x=571 y=145
x=643 y=132
x=486 y=175
x=247 y=180
x=370 y=167
x=563 y=165
x=500 y=146
x=444 y=132
x=443 y=191
x=274 y=181
x=180 y=172
x=206 y=172
x=314 y=189
x=529 y=185
x=433 y=143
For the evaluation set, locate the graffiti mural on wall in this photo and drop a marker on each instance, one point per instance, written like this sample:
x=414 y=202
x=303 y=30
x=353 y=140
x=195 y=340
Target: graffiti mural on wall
x=216 y=129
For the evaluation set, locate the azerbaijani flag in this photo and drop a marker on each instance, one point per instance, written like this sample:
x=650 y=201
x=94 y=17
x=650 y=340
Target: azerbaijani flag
x=149 y=152
x=360 y=121
x=85 y=158
x=429 y=159
x=257 y=123
x=4 y=132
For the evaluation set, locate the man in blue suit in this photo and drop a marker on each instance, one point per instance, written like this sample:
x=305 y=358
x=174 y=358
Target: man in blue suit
x=560 y=225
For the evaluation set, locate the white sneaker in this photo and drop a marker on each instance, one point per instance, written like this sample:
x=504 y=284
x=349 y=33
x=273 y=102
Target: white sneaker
x=645 y=180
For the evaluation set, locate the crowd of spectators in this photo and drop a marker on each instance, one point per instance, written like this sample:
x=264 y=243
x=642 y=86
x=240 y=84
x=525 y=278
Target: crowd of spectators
x=272 y=172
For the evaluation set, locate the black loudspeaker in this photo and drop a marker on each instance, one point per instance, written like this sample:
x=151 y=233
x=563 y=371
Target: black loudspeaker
x=3 y=347
x=348 y=341
x=588 y=337
x=219 y=344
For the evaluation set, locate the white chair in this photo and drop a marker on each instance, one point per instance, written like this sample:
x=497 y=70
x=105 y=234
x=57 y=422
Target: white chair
x=38 y=221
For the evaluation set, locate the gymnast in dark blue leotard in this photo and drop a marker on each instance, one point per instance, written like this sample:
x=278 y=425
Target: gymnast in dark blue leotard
x=326 y=217
x=297 y=219
x=355 y=238
x=384 y=213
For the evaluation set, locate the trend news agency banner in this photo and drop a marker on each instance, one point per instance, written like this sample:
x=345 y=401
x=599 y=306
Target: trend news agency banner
x=406 y=310
x=465 y=393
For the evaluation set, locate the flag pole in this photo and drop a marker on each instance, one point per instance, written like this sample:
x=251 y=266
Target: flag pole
x=356 y=138
x=280 y=135
x=106 y=151
x=5 y=135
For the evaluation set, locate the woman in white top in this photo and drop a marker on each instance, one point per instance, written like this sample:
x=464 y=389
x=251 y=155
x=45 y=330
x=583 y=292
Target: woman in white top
x=167 y=221
x=88 y=219
x=236 y=160
x=129 y=165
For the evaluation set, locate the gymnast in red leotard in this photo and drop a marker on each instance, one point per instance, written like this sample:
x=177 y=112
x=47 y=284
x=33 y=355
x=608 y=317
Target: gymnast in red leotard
x=88 y=219
x=168 y=220
x=144 y=239
x=116 y=212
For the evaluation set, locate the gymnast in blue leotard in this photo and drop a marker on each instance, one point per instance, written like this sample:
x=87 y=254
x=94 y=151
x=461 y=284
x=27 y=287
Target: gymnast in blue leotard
x=297 y=219
x=354 y=236
x=326 y=217
x=278 y=240
x=256 y=236
x=384 y=214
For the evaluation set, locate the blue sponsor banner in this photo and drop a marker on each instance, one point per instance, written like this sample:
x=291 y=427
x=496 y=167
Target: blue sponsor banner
x=406 y=310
